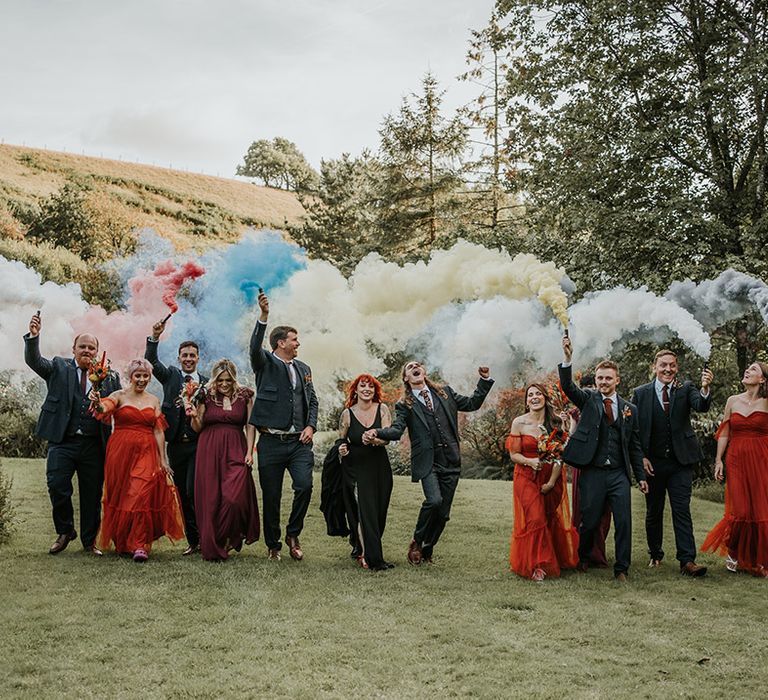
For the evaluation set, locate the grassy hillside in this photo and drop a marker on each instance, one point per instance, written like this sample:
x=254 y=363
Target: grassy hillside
x=72 y=626
x=184 y=207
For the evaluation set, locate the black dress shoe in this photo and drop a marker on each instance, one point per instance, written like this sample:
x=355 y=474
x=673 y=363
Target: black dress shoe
x=190 y=550
x=61 y=542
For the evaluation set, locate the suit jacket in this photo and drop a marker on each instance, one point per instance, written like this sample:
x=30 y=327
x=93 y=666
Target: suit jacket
x=172 y=379
x=273 y=403
x=682 y=401
x=582 y=445
x=415 y=419
x=60 y=375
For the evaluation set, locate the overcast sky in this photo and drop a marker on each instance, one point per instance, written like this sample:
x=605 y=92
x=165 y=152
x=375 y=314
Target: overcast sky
x=191 y=83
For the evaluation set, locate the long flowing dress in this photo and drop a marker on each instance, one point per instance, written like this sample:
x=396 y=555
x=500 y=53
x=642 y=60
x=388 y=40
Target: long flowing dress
x=743 y=531
x=226 y=508
x=368 y=481
x=543 y=536
x=140 y=502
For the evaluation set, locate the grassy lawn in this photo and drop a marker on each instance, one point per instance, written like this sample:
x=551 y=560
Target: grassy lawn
x=76 y=626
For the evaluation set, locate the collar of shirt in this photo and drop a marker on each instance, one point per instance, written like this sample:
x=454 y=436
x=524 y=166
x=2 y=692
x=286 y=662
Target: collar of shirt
x=293 y=373
x=195 y=376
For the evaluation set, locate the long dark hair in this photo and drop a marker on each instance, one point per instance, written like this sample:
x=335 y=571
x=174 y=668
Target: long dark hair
x=408 y=393
x=551 y=419
x=763 y=392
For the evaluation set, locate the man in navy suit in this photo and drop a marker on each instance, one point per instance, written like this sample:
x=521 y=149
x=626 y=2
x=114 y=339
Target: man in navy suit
x=431 y=414
x=605 y=447
x=285 y=414
x=76 y=440
x=181 y=439
x=671 y=450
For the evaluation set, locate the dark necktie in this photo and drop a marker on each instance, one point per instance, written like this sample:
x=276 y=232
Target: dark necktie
x=424 y=393
x=665 y=398
x=83 y=377
x=187 y=378
x=608 y=409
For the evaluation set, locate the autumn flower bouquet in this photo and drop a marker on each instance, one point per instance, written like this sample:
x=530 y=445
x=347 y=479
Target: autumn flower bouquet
x=192 y=394
x=99 y=371
x=550 y=445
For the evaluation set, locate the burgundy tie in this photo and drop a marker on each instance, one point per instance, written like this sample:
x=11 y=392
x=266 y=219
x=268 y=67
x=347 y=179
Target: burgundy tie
x=665 y=398
x=83 y=376
x=608 y=409
x=427 y=400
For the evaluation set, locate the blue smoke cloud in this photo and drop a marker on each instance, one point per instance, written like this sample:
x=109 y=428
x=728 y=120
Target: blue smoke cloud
x=219 y=310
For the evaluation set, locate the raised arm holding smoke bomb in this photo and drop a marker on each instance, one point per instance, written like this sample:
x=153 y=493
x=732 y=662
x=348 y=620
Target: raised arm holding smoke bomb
x=76 y=441
x=285 y=414
x=180 y=435
x=606 y=448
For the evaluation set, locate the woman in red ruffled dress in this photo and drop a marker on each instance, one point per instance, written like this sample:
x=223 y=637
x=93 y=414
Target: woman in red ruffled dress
x=742 y=535
x=226 y=508
x=544 y=540
x=140 y=503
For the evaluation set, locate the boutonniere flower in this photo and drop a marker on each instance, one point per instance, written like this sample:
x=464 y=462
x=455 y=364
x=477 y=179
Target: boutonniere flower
x=307 y=378
x=627 y=412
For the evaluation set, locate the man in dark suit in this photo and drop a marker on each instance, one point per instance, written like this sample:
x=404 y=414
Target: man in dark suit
x=181 y=439
x=606 y=448
x=671 y=450
x=430 y=412
x=76 y=440
x=285 y=414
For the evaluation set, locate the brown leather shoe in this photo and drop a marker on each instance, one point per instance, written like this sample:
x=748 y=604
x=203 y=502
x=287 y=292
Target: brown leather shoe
x=621 y=578
x=294 y=548
x=192 y=549
x=93 y=550
x=692 y=569
x=274 y=555
x=414 y=553
x=654 y=563
x=61 y=542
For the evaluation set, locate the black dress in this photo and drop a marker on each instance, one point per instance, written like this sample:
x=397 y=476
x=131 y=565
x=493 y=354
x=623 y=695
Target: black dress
x=368 y=486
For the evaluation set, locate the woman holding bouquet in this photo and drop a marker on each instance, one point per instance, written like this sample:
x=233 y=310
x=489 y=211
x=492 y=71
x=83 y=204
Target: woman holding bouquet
x=140 y=501
x=226 y=508
x=544 y=540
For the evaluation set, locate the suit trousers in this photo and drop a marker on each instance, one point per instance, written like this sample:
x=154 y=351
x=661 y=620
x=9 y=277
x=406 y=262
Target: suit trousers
x=181 y=457
x=83 y=456
x=598 y=486
x=670 y=477
x=439 y=487
x=275 y=456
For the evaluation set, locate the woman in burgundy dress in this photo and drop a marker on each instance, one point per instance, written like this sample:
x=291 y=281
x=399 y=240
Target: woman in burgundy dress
x=543 y=538
x=226 y=508
x=140 y=502
x=742 y=535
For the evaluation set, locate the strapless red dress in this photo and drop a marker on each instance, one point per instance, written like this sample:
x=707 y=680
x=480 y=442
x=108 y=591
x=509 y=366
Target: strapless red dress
x=140 y=502
x=543 y=536
x=743 y=531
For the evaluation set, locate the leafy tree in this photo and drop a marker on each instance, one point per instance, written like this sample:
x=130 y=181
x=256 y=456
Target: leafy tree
x=420 y=186
x=278 y=163
x=642 y=125
x=489 y=59
x=340 y=214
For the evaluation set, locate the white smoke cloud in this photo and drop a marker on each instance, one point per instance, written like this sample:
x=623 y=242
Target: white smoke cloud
x=714 y=302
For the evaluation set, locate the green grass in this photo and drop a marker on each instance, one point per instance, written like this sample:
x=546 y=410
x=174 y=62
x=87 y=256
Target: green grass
x=75 y=626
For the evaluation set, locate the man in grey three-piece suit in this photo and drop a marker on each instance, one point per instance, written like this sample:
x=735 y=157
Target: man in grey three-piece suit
x=76 y=440
x=285 y=414
x=605 y=447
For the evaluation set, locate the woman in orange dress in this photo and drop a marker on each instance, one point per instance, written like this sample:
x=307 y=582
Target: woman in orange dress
x=544 y=540
x=742 y=535
x=140 y=502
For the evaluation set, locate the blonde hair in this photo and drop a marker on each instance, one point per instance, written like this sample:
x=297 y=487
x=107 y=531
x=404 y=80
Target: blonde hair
x=219 y=367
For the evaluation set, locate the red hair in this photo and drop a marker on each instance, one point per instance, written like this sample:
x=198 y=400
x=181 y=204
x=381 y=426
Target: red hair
x=378 y=394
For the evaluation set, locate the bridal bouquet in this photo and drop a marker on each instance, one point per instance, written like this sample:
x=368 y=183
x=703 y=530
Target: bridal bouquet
x=192 y=394
x=550 y=446
x=97 y=374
